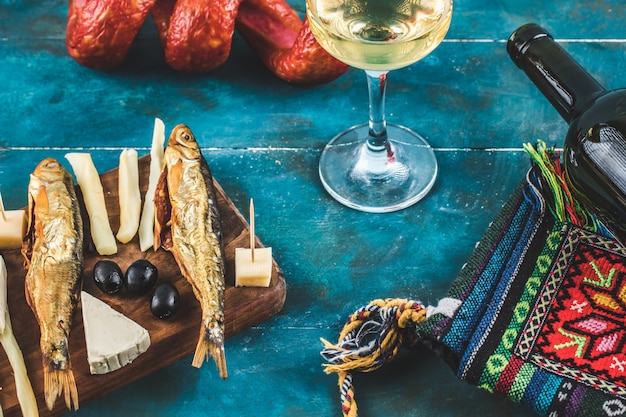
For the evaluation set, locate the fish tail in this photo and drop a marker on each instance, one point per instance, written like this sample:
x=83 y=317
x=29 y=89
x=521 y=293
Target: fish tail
x=209 y=348
x=57 y=382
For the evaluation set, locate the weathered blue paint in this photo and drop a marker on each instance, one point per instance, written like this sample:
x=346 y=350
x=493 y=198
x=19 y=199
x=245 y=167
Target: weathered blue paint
x=263 y=138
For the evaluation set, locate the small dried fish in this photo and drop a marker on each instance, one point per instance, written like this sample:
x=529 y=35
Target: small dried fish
x=53 y=256
x=187 y=223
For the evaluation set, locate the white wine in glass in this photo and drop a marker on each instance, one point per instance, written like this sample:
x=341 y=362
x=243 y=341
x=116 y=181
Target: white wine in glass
x=376 y=167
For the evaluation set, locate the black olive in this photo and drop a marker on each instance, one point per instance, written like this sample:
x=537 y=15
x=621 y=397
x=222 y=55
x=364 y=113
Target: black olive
x=141 y=275
x=165 y=301
x=108 y=276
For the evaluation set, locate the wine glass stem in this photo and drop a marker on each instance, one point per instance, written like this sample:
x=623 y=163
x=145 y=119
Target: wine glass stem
x=377 y=86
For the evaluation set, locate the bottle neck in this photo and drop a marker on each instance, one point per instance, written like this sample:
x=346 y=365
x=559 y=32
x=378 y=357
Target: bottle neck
x=568 y=86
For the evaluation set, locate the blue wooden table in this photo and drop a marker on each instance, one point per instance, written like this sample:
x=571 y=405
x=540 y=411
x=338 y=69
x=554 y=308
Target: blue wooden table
x=263 y=138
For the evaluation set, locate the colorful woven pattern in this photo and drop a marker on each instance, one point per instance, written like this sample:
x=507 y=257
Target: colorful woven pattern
x=538 y=313
x=543 y=312
x=583 y=334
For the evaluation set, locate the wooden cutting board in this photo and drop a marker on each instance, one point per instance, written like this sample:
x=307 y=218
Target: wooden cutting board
x=171 y=340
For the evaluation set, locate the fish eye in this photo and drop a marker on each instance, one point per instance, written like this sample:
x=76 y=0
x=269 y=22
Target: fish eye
x=184 y=136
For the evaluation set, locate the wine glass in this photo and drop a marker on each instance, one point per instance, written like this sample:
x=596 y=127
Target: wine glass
x=378 y=167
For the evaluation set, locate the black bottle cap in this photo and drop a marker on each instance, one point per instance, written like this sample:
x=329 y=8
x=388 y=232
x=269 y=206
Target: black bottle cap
x=520 y=40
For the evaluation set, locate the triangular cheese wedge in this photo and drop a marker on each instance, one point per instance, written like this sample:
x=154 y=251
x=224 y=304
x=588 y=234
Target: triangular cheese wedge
x=113 y=340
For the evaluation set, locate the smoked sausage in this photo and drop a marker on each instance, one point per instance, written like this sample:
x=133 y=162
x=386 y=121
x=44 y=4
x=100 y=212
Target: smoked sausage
x=196 y=35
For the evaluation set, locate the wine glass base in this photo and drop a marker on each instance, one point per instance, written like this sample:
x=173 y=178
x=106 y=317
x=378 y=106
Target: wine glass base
x=378 y=182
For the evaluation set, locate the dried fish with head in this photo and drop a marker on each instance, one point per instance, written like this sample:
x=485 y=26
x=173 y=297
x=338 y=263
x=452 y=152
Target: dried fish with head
x=187 y=223
x=53 y=257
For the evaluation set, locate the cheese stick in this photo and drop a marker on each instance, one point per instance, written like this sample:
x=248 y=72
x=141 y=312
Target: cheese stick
x=129 y=195
x=93 y=196
x=25 y=394
x=146 y=226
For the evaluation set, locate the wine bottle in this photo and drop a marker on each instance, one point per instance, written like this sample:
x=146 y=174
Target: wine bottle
x=595 y=144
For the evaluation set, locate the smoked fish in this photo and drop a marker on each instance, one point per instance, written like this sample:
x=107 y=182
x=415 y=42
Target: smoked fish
x=53 y=258
x=187 y=223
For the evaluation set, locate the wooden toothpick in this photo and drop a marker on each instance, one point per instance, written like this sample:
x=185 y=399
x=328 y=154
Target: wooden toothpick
x=252 y=230
x=4 y=216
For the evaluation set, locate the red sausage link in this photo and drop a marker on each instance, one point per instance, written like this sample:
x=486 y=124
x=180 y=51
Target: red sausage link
x=197 y=35
x=99 y=33
x=285 y=44
x=161 y=12
x=200 y=34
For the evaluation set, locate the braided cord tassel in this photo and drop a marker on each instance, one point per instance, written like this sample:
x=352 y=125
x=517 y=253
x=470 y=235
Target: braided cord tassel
x=371 y=337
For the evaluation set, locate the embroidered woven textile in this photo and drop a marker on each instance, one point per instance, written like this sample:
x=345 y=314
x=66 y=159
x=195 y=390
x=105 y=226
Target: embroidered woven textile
x=542 y=317
x=538 y=313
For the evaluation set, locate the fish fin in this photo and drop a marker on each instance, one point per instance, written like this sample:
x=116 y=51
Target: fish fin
x=207 y=347
x=29 y=238
x=29 y=300
x=162 y=209
x=57 y=382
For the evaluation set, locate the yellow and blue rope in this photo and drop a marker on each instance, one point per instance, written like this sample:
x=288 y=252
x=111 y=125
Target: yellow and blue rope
x=371 y=337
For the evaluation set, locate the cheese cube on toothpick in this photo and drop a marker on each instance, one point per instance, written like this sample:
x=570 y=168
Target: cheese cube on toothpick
x=12 y=227
x=253 y=267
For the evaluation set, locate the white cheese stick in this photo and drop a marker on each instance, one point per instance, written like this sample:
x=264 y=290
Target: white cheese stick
x=93 y=196
x=4 y=305
x=129 y=195
x=146 y=226
x=25 y=394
